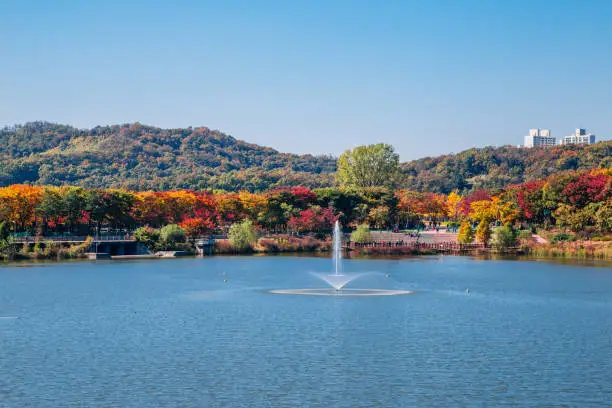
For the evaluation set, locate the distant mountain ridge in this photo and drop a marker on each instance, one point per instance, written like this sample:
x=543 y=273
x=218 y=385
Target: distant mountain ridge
x=139 y=157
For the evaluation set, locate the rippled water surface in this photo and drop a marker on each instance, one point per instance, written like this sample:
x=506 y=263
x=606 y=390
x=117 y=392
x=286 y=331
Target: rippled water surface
x=173 y=333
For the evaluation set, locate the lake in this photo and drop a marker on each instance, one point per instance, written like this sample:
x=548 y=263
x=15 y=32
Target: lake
x=207 y=333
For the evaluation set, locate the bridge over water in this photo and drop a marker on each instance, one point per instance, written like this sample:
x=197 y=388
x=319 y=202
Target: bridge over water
x=111 y=245
x=108 y=245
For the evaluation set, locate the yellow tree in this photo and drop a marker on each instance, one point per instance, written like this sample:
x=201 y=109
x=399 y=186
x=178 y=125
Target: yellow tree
x=179 y=204
x=229 y=207
x=452 y=205
x=483 y=211
x=252 y=204
x=466 y=233
x=19 y=203
x=483 y=232
x=505 y=211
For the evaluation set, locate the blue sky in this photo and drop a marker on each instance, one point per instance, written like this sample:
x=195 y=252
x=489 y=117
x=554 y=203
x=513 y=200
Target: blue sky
x=320 y=76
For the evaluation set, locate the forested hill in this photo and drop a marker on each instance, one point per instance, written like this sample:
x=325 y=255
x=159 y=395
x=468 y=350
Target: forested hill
x=139 y=157
x=497 y=167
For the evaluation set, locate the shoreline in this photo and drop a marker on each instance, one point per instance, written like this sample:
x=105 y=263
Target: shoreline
x=482 y=256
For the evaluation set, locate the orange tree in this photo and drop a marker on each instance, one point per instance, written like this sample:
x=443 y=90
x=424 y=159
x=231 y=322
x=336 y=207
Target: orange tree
x=19 y=203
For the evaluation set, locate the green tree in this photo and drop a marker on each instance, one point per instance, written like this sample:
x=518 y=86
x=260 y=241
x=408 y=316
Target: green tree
x=466 y=233
x=361 y=234
x=171 y=235
x=368 y=166
x=346 y=203
x=73 y=205
x=603 y=217
x=242 y=235
x=148 y=236
x=574 y=219
x=50 y=207
x=109 y=207
x=6 y=241
x=361 y=212
x=505 y=236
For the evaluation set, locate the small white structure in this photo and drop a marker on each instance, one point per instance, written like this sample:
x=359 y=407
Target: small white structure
x=580 y=136
x=539 y=137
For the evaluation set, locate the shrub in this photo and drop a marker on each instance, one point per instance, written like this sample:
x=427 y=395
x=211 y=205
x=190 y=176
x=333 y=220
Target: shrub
x=361 y=234
x=505 y=237
x=6 y=242
x=603 y=217
x=52 y=250
x=562 y=237
x=25 y=250
x=586 y=233
x=148 y=236
x=38 y=251
x=77 y=251
x=603 y=238
x=242 y=235
x=287 y=243
x=223 y=246
x=268 y=245
x=171 y=235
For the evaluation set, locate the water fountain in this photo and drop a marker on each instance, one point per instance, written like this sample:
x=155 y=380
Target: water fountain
x=339 y=279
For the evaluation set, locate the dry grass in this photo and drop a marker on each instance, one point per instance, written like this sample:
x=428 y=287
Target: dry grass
x=277 y=244
x=577 y=250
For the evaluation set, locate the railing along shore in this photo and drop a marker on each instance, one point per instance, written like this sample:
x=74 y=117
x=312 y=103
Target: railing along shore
x=439 y=246
x=73 y=238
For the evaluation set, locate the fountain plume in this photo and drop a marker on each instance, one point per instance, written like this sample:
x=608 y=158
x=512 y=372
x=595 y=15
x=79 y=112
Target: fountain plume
x=337 y=248
x=337 y=279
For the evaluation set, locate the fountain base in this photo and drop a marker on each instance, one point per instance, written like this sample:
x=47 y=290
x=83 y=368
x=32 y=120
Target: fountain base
x=342 y=292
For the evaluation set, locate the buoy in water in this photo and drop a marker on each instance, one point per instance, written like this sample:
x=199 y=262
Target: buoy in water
x=467 y=291
x=224 y=280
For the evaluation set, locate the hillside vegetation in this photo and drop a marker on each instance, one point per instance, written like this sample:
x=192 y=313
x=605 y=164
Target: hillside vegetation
x=138 y=157
x=496 y=167
x=142 y=157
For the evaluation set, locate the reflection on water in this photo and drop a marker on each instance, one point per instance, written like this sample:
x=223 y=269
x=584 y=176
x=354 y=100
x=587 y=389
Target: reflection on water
x=206 y=333
x=601 y=263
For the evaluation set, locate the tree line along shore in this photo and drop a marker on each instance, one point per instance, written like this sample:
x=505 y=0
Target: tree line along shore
x=571 y=212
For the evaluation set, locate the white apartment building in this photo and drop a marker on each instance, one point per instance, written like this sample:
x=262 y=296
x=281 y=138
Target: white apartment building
x=539 y=137
x=580 y=136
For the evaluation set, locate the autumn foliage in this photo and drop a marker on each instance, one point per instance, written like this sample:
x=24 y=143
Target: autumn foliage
x=577 y=201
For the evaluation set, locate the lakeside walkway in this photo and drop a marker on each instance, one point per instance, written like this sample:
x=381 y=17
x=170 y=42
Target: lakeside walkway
x=430 y=237
x=71 y=239
x=414 y=242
